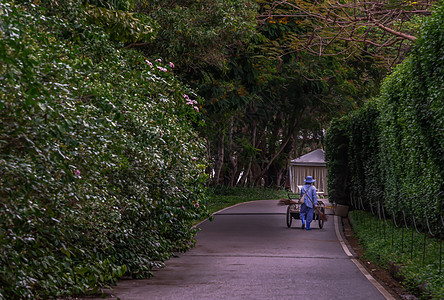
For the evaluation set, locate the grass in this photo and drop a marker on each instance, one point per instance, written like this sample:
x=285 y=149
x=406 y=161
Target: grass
x=391 y=246
x=222 y=197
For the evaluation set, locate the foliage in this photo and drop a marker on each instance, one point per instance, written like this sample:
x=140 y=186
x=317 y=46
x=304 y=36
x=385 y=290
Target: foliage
x=351 y=143
x=285 y=99
x=122 y=26
x=363 y=163
x=288 y=98
x=124 y=5
x=412 y=122
x=198 y=35
x=102 y=170
x=393 y=150
x=388 y=245
x=261 y=107
x=381 y=29
x=337 y=142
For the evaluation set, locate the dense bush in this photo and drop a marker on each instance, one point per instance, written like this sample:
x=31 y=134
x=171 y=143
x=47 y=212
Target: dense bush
x=393 y=148
x=337 y=143
x=351 y=151
x=364 y=144
x=412 y=123
x=101 y=169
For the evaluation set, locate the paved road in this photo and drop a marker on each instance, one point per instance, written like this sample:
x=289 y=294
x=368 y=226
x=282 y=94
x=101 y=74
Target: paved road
x=248 y=252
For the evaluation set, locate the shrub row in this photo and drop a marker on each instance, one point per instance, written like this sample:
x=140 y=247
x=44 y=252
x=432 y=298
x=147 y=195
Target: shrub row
x=392 y=149
x=102 y=171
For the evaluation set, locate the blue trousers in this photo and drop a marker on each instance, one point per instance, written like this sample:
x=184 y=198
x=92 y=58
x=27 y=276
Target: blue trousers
x=306 y=213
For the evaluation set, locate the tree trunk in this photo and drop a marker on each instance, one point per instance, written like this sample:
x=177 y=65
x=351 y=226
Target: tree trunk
x=233 y=160
x=219 y=160
x=281 y=148
x=280 y=173
x=246 y=174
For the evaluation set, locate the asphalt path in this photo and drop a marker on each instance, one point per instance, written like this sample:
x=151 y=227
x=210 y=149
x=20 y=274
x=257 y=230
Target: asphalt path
x=247 y=252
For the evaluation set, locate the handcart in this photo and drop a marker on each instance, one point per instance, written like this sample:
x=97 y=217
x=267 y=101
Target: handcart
x=294 y=209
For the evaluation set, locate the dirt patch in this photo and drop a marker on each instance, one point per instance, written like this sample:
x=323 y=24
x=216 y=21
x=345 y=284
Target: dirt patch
x=382 y=275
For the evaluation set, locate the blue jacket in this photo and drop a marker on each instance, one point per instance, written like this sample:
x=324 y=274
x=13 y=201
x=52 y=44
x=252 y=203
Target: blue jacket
x=311 y=193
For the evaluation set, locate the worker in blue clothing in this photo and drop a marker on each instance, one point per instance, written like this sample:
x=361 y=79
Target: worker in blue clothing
x=310 y=202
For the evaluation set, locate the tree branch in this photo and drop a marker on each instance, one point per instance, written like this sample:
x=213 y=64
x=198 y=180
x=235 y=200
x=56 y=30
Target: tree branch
x=397 y=33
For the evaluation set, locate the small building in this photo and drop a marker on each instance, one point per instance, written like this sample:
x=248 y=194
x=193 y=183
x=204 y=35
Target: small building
x=311 y=164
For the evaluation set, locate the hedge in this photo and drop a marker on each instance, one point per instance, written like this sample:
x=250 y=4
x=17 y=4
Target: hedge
x=102 y=171
x=392 y=149
x=337 y=142
x=412 y=123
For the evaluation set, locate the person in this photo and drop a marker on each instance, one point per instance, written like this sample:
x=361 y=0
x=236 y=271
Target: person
x=310 y=202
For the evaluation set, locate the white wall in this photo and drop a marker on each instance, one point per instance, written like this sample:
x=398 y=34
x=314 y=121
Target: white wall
x=299 y=173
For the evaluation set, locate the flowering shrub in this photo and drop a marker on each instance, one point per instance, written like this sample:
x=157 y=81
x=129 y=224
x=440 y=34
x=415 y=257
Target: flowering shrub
x=102 y=171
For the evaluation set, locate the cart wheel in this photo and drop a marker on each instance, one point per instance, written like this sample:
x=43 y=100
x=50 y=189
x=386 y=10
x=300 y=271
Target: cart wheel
x=289 y=219
x=321 y=222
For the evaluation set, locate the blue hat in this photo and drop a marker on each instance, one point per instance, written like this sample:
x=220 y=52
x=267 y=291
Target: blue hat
x=309 y=179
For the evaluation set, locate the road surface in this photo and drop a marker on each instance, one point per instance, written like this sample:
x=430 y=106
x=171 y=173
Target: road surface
x=247 y=252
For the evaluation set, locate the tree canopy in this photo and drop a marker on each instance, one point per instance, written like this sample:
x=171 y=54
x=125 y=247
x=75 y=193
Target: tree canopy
x=262 y=104
x=382 y=29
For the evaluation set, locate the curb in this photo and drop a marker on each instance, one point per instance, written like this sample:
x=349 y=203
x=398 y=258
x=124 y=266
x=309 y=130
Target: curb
x=350 y=253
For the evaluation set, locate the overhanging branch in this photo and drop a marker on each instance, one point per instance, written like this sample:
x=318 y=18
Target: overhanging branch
x=394 y=32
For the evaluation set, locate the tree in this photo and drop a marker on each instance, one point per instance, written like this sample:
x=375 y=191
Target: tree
x=197 y=35
x=289 y=103
x=262 y=105
x=384 y=29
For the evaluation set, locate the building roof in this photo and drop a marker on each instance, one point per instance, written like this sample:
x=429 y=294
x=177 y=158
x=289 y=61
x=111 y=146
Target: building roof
x=314 y=158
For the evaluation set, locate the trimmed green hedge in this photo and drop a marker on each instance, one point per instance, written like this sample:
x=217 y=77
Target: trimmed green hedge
x=102 y=172
x=393 y=148
x=337 y=142
x=412 y=123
